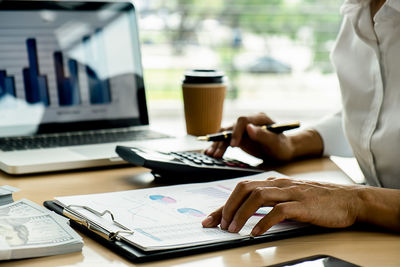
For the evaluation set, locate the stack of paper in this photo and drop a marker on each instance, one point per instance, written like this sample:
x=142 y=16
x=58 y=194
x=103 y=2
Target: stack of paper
x=168 y=217
x=29 y=230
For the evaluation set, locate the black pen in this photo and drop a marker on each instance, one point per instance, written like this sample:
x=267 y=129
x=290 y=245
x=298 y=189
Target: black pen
x=226 y=135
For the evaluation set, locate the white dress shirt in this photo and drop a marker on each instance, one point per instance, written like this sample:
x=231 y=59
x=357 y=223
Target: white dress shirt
x=366 y=57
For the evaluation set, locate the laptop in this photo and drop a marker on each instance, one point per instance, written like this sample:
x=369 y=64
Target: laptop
x=71 y=86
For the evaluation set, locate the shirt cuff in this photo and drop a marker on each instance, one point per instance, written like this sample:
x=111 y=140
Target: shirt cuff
x=332 y=133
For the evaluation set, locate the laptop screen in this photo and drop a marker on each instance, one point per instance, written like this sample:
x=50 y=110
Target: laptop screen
x=69 y=66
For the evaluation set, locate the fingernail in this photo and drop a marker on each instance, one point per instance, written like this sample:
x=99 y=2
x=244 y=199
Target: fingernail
x=207 y=221
x=224 y=224
x=233 y=227
x=256 y=231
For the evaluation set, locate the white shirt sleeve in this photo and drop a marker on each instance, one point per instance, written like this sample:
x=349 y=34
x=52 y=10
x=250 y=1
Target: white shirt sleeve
x=331 y=130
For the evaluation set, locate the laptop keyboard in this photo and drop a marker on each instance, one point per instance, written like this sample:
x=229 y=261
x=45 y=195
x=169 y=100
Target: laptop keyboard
x=76 y=138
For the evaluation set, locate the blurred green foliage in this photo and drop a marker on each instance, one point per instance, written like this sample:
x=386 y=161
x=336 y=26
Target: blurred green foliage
x=262 y=17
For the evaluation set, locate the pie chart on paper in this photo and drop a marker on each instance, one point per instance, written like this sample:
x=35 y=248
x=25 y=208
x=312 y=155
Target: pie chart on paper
x=162 y=199
x=191 y=212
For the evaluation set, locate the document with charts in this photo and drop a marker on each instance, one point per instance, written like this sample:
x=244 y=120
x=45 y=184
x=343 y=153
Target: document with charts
x=170 y=216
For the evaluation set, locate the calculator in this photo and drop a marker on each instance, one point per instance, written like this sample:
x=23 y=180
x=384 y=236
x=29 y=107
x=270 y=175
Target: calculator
x=185 y=165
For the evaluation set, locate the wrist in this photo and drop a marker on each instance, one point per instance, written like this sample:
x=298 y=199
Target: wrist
x=306 y=143
x=362 y=203
x=379 y=206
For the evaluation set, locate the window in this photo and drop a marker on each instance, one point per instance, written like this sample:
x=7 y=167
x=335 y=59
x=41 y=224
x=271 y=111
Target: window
x=275 y=54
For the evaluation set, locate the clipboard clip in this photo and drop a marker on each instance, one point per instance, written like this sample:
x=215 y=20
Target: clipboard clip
x=70 y=213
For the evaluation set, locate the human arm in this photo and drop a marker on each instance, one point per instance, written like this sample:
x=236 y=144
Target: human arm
x=322 y=204
x=249 y=136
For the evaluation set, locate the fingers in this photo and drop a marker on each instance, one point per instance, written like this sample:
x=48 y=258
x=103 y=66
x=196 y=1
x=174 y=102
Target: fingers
x=260 y=119
x=260 y=196
x=248 y=197
x=213 y=219
x=258 y=189
x=240 y=127
x=235 y=200
x=281 y=182
x=237 y=197
x=238 y=131
x=280 y=212
x=260 y=135
x=317 y=203
x=217 y=149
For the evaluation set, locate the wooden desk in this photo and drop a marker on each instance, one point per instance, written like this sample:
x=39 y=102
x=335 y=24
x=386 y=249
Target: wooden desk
x=361 y=247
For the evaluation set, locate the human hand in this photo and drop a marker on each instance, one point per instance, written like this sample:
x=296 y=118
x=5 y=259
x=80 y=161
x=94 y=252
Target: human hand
x=321 y=204
x=249 y=136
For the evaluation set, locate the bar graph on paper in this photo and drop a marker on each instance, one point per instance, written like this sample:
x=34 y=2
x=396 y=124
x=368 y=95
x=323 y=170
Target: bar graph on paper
x=32 y=69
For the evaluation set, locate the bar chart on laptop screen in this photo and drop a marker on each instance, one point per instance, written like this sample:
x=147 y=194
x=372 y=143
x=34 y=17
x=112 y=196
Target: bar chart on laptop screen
x=79 y=67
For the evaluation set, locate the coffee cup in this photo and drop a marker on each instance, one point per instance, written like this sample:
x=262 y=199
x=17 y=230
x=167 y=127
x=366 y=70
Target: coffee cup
x=203 y=98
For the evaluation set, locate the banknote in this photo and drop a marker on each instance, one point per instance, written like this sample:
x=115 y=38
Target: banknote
x=23 y=207
x=36 y=230
x=29 y=230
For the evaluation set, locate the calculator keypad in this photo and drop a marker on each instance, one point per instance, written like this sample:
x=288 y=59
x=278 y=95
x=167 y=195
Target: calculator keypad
x=201 y=159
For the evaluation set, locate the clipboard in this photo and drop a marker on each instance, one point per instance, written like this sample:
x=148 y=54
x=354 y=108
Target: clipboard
x=137 y=255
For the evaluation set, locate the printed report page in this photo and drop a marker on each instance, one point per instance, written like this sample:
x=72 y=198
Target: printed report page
x=170 y=216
